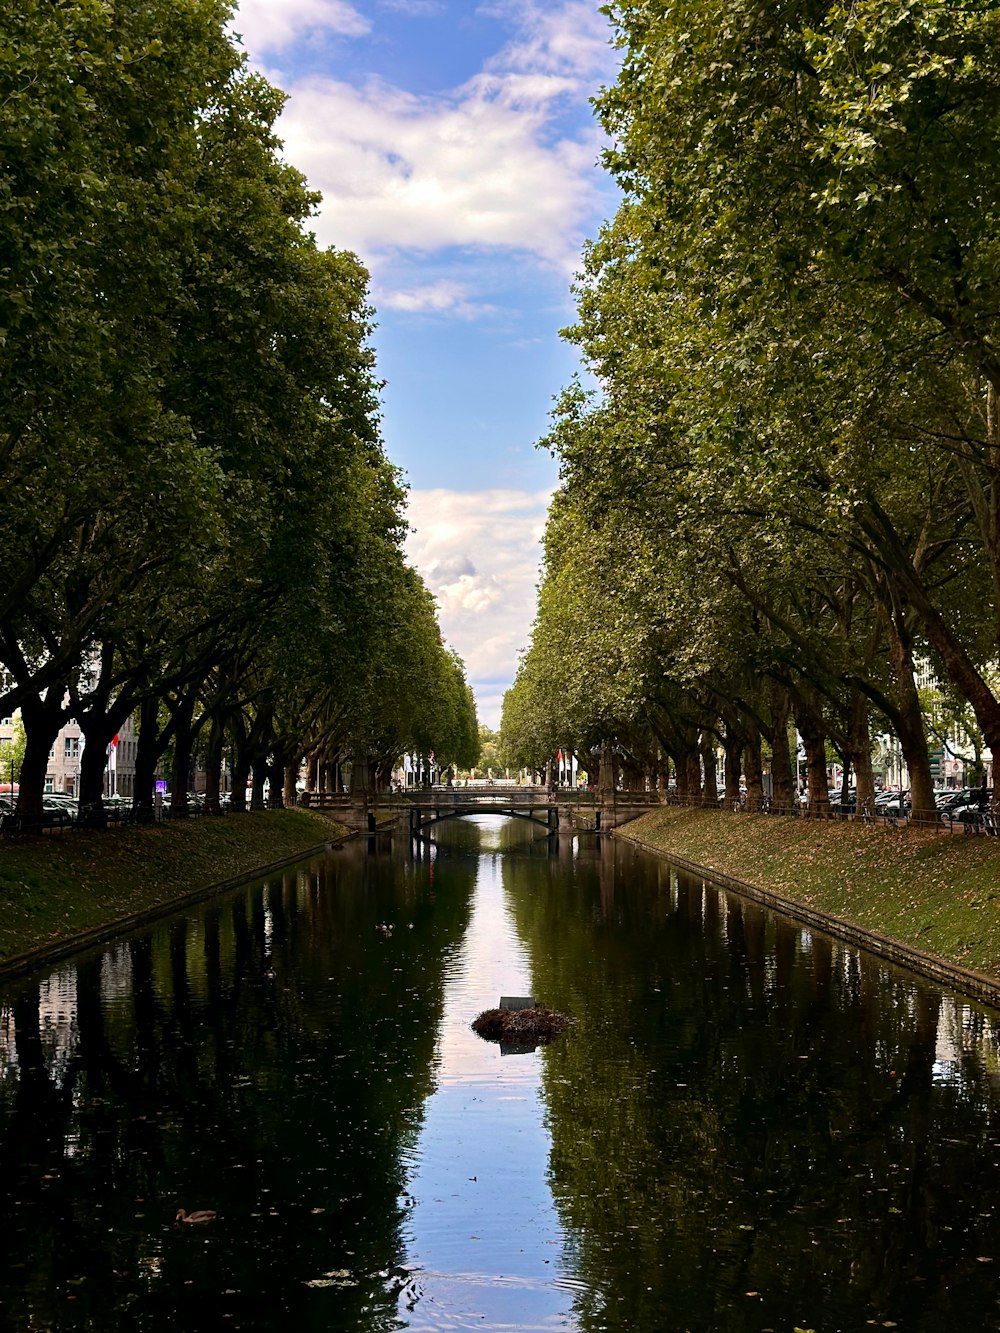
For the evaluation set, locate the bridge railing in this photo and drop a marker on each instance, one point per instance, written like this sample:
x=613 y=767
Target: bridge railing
x=481 y=796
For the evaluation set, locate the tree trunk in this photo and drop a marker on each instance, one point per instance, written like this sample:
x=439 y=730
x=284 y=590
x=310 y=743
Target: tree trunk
x=910 y=728
x=782 y=777
x=42 y=720
x=241 y=775
x=814 y=740
x=732 y=744
x=754 y=768
x=99 y=723
x=182 y=715
x=213 y=765
x=709 y=764
x=289 y=791
x=93 y=766
x=276 y=781
x=662 y=775
x=861 y=753
x=260 y=775
x=956 y=661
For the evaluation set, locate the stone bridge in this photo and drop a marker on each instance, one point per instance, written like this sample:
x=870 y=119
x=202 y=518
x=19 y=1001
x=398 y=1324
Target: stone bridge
x=561 y=810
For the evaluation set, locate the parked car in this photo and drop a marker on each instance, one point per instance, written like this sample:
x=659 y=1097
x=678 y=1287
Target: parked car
x=978 y=803
x=60 y=799
x=892 y=803
x=953 y=800
x=58 y=811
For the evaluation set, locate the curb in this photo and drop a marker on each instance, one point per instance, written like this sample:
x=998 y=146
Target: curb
x=21 y=963
x=975 y=985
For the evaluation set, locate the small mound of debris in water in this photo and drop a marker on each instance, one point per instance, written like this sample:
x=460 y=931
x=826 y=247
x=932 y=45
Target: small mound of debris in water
x=512 y=1025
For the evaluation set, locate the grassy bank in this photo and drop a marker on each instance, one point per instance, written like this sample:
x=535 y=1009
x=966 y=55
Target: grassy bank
x=936 y=893
x=54 y=887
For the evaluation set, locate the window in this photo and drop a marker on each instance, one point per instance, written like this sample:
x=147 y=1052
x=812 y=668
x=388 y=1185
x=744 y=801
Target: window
x=72 y=747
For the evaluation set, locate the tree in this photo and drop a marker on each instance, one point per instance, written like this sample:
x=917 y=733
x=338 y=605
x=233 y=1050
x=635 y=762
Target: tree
x=860 y=143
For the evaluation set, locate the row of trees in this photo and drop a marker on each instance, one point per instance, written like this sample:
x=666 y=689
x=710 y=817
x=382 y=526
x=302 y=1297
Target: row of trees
x=199 y=523
x=786 y=493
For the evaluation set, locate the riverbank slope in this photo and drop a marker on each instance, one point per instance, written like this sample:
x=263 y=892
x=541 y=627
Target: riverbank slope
x=933 y=892
x=55 y=887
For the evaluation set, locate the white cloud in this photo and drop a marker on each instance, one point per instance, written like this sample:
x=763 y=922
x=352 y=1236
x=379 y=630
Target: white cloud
x=571 y=39
x=443 y=297
x=418 y=9
x=479 y=553
x=267 y=26
x=505 y=162
x=476 y=168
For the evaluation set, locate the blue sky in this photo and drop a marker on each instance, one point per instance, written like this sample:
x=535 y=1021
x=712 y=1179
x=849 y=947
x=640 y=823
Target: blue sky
x=456 y=152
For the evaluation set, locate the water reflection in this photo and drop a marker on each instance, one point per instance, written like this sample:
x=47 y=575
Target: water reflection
x=269 y=1058
x=754 y=1126
x=483 y=1239
x=749 y=1127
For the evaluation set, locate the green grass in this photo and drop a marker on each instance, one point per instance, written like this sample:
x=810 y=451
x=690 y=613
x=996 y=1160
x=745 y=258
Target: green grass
x=56 y=886
x=937 y=893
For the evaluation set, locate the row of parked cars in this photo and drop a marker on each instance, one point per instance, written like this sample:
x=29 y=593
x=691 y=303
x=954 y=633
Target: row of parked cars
x=60 y=809
x=886 y=802
x=966 y=805
x=57 y=810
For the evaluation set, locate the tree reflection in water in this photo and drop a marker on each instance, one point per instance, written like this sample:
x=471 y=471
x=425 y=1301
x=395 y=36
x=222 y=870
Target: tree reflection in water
x=748 y=1126
x=267 y=1057
x=754 y=1126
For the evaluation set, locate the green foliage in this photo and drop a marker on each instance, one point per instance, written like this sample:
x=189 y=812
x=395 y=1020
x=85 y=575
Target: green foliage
x=195 y=492
x=790 y=472
x=12 y=753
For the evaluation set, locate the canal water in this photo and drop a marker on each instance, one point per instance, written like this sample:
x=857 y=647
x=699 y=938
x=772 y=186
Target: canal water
x=749 y=1126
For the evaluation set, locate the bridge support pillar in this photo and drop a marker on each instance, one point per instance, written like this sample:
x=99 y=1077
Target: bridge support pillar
x=416 y=819
x=356 y=814
x=566 y=824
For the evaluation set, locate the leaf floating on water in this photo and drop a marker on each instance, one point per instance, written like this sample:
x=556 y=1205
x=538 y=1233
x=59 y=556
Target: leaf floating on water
x=340 y=1277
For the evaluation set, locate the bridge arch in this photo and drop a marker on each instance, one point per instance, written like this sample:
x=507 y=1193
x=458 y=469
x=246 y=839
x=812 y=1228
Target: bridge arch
x=423 y=817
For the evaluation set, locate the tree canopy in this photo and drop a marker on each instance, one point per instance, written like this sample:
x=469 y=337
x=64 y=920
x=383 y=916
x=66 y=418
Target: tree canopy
x=199 y=521
x=784 y=492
